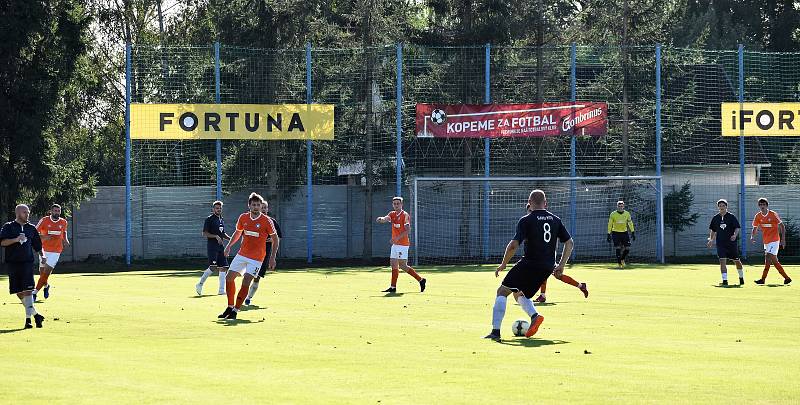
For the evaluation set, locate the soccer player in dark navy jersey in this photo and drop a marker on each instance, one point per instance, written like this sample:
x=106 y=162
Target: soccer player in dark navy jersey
x=541 y=231
x=20 y=239
x=214 y=231
x=724 y=229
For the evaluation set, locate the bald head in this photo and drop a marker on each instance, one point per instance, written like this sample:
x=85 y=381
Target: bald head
x=22 y=212
x=537 y=200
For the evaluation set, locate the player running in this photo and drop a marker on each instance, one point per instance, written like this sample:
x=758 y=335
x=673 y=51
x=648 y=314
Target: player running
x=541 y=231
x=542 y=298
x=724 y=229
x=214 y=231
x=401 y=226
x=618 y=224
x=254 y=229
x=264 y=264
x=53 y=232
x=21 y=239
x=773 y=235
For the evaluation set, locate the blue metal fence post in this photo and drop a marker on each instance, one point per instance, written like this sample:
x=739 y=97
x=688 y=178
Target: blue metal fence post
x=217 y=100
x=487 y=98
x=399 y=121
x=573 y=172
x=309 y=161
x=743 y=188
x=659 y=191
x=128 y=153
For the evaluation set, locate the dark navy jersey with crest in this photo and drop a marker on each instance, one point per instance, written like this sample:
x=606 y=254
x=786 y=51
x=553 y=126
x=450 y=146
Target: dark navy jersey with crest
x=541 y=231
x=214 y=225
x=724 y=227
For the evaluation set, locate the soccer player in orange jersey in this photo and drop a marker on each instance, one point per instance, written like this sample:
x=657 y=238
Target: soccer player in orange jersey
x=53 y=232
x=401 y=226
x=773 y=235
x=253 y=228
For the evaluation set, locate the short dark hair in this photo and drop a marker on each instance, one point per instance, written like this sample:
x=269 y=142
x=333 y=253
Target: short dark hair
x=722 y=201
x=255 y=197
x=763 y=200
x=537 y=197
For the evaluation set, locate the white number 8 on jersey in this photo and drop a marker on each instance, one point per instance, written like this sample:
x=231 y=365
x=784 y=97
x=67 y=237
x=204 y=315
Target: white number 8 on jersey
x=547 y=235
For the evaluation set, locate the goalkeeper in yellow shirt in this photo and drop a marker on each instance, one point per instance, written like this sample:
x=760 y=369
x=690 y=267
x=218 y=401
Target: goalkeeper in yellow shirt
x=618 y=224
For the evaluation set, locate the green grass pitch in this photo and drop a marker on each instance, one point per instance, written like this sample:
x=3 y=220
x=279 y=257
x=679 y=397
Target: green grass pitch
x=647 y=334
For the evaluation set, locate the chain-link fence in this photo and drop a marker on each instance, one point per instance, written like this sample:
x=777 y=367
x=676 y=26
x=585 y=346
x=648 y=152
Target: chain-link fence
x=663 y=120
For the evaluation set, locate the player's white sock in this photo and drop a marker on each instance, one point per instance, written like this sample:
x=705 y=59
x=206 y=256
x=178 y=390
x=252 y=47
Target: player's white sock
x=29 y=309
x=498 y=312
x=252 y=291
x=724 y=276
x=527 y=305
x=205 y=275
x=740 y=270
x=222 y=275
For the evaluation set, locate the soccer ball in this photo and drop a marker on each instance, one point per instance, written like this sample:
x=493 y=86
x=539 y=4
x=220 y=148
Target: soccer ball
x=519 y=327
x=438 y=116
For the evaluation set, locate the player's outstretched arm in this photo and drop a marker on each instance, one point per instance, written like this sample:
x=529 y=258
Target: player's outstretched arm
x=382 y=220
x=276 y=243
x=234 y=239
x=511 y=249
x=566 y=252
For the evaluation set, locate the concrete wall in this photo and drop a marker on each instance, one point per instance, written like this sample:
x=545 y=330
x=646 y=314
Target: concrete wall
x=167 y=221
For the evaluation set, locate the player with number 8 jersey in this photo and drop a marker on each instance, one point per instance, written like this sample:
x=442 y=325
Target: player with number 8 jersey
x=541 y=231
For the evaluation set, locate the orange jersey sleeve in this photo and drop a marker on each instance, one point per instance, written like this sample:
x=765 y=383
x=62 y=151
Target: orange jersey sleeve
x=254 y=235
x=768 y=225
x=55 y=230
x=399 y=222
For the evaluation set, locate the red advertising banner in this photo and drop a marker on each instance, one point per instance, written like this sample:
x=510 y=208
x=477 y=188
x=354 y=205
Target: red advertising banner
x=511 y=120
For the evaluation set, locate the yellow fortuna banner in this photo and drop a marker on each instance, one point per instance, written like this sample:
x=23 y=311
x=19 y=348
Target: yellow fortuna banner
x=232 y=121
x=760 y=119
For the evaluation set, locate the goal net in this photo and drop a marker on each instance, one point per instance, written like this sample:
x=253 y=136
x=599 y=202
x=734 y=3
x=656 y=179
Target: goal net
x=470 y=220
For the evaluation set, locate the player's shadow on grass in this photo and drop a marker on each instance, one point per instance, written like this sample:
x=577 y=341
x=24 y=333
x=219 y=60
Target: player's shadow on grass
x=389 y=295
x=252 y=307
x=727 y=286
x=776 y=285
x=532 y=342
x=237 y=322
x=2 y=331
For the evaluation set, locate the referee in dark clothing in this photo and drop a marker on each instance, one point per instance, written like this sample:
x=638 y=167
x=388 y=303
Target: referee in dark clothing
x=20 y=238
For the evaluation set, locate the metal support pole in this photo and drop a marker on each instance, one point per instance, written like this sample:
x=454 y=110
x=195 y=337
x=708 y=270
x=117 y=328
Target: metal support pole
x=487 y=98
x=399 y=121
x=573 y=193
x=217 y=100
x=128 y=154
x=660 y=196
x=743 y=188
x=309 y=162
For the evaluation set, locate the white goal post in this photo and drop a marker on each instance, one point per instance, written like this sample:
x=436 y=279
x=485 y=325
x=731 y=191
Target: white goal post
x=469 y=220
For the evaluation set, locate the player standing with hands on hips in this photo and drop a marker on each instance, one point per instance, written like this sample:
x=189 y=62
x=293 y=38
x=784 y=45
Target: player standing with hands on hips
x=21 y=239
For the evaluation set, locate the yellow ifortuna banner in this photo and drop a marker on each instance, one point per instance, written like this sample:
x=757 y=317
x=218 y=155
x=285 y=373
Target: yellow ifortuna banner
x=760 y=119
x=232 y=121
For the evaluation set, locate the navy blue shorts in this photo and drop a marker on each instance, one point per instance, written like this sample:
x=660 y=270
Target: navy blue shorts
x=216 y=255
x=728 y=251
x=620 y=239
x=20 y=277
x=265 y=263
x=526 y=277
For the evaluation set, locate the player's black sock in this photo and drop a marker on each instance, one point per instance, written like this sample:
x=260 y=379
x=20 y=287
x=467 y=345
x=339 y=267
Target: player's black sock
x=619 y=256
x=625 y=254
